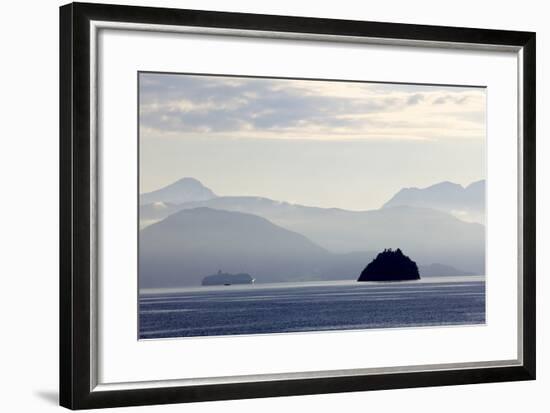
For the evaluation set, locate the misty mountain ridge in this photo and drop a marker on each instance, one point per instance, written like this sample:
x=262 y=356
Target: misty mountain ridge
x=183 y=190
x=452 y=241
x=191 y=240
x=466 y=203
x=190 y=244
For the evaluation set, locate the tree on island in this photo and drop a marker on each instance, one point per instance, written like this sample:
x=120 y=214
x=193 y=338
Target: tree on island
x=390 y=265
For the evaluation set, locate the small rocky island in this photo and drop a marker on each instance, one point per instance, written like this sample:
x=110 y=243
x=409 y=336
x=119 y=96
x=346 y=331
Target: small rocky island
x=224 y=278
x=390 y=265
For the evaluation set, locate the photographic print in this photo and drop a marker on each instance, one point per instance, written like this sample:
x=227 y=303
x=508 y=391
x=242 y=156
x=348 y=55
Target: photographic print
x=313 y=184
x=278 y=205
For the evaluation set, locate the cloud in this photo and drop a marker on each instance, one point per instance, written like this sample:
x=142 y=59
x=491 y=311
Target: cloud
x=280 y=108
x=415 y=99
x=458 y=99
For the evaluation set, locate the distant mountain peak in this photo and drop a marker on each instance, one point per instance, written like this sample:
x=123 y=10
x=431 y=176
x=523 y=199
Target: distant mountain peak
x=186 y=189
x=187 y=180
x=480 y=183
x=464 y=202
x=186 y=183
x=445 y=185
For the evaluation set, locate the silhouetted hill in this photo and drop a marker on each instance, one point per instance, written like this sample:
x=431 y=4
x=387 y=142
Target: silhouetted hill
x=390 y=266
x=190 y=244
x=183 y=190
x=467 y=203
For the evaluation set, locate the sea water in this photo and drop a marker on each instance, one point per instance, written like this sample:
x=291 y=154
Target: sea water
x=311 y=306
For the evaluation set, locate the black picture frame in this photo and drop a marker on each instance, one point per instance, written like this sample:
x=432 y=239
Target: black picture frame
x=75 y=220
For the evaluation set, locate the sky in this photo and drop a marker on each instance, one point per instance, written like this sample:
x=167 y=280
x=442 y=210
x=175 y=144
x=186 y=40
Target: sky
x=341 y=144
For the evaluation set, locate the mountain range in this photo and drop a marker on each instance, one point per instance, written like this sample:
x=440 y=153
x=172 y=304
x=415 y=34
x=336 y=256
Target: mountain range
x=186 y=246
x=466 y=203
x=279 y=241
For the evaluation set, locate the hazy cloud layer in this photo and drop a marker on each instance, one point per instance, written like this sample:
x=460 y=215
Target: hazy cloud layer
x=185 y=105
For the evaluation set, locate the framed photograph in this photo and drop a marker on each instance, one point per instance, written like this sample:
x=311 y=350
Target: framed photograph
x=257 y=206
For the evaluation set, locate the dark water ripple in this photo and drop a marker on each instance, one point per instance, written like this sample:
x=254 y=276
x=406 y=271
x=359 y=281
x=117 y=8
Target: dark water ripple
x=334 y=306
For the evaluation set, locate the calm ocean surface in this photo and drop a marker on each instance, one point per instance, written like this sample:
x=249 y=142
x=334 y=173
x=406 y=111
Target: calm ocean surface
x=315 y=306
